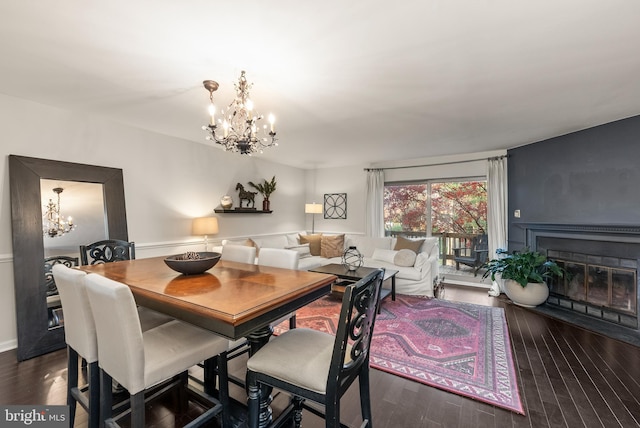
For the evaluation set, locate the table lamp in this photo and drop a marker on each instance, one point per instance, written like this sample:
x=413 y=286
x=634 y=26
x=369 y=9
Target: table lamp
x=313 y=209
x=205 y=226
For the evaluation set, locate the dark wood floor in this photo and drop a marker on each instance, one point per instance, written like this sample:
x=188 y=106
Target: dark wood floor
x=568 y=377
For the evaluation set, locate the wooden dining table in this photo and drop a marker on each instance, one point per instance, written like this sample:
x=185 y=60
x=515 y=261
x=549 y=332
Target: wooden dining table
x=231 y=299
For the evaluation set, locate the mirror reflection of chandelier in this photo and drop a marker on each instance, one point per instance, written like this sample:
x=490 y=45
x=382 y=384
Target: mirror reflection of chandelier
x=241 y=132
x=53 y=223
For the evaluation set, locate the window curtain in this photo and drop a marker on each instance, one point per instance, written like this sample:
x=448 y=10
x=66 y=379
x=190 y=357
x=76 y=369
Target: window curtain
x=374 y=221
x=497 y=210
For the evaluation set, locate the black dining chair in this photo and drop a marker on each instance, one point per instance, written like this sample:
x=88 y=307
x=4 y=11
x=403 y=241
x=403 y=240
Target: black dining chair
x=317 y=366
x=107 y=251
x=54 y=310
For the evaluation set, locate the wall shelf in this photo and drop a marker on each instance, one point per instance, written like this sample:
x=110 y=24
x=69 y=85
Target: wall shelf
x=241 y=211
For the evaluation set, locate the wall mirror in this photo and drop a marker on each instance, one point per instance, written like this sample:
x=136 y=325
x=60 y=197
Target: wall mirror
x=28 y=176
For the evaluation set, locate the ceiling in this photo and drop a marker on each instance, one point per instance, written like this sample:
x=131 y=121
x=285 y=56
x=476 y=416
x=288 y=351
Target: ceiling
x=350 y=83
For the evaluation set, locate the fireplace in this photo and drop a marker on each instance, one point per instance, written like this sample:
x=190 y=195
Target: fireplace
x=603 y=261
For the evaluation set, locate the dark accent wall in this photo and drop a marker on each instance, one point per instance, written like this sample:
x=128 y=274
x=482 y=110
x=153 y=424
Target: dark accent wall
x=589 y=177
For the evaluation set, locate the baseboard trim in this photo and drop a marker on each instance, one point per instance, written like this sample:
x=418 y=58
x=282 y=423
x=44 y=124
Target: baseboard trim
x=8 y=345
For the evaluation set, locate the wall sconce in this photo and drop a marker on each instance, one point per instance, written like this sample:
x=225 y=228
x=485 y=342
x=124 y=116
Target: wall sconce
x=205 y=226
x=313 y=209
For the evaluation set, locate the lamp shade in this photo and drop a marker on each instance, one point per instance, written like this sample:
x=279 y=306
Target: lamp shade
x=205 y=226
x=313 y=208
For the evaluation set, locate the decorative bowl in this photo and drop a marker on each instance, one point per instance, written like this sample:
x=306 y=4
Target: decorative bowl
x=192 y=263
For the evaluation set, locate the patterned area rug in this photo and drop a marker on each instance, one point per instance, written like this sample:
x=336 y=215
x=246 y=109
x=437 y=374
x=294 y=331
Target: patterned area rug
x=458 y=347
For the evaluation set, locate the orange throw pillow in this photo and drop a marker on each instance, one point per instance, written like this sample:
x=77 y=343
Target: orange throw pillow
x=313 y=241
x=409 y=244
x=332 y=246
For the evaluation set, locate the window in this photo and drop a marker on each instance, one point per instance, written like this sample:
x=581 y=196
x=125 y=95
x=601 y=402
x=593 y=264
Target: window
x=436 y=207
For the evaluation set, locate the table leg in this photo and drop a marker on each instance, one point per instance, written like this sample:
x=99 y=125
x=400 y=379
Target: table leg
x=257 y=340
x=393 y=288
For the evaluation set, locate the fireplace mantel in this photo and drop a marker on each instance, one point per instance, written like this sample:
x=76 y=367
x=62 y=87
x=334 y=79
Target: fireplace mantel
x=596 y=232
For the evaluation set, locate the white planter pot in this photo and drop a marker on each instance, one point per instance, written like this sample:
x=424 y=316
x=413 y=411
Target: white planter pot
x=534 y=294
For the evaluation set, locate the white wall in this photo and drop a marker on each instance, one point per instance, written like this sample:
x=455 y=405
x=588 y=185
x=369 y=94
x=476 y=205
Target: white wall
x=350 y=180
x=167 y=181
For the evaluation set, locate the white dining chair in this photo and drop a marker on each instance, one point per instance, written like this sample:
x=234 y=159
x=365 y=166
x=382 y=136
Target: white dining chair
x=238 y=253
x=139 y=360
x=286 y=259
x=276 y=257
x=81 y=340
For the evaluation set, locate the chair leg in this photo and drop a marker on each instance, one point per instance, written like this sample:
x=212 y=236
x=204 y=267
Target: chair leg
x=137 y=410
x=209 y=366
x=106 y=399
x=292 y=322
x=365 y=396
x=94 y=395
x=182 y=397
x=332 y=413
x=297 y=411
x=253 y=400
x=223 y=386
x=72 y=382
x=218 y=364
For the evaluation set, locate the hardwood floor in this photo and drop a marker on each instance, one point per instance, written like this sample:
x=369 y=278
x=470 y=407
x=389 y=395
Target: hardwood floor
x=568 y=377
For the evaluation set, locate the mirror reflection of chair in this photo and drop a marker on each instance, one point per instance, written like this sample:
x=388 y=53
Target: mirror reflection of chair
x=80 y=336
x=54 y=311
x=317 y=366
x=238 y=253
x=474 y=255
x=107 y=251
x=154 y=356
x=286 y=259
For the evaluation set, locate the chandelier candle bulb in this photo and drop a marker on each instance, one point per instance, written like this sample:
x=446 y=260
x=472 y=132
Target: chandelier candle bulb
x=212 y=113
x=272 y=122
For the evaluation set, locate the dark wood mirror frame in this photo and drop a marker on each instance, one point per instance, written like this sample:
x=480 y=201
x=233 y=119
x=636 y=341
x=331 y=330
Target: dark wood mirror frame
x=34 y=336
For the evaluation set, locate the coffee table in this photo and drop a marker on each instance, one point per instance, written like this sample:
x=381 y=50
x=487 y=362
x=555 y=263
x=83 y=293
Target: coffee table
x=350 y=276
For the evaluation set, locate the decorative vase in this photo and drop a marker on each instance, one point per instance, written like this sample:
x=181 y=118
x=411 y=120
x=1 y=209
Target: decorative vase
x=226 y=202
x=266 y=204
x=352 y=259
x=534 y=294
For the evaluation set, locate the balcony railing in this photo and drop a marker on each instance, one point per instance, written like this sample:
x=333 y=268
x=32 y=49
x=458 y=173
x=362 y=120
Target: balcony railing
x=447 y=241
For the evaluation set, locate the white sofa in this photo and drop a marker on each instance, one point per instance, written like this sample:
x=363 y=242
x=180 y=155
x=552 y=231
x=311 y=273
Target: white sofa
x=418 y=279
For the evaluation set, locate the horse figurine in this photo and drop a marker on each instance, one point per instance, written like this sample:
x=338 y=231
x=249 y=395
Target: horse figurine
x=246 y=196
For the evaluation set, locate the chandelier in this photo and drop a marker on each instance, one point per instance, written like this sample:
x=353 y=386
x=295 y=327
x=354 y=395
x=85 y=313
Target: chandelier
x=53 y=223
x=241 y=132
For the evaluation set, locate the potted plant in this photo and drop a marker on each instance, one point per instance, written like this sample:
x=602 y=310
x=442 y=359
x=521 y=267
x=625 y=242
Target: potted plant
x=524 y=273
x=266 y=188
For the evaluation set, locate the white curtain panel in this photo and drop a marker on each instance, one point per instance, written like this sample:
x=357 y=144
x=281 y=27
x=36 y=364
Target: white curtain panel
x=374 y=221
x=497 y=210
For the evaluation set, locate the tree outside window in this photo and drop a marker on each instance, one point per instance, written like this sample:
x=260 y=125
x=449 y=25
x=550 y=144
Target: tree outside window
x=450 y=207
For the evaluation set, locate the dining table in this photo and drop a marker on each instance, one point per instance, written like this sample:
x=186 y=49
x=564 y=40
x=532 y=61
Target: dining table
x=232 y=299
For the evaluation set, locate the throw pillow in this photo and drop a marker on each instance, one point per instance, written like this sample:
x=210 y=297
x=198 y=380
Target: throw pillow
x=332 y=246
x=384 y=255
x=313 y=241
x=409 y=244
x=303 y=250
x=429 y=245
x=404 y=257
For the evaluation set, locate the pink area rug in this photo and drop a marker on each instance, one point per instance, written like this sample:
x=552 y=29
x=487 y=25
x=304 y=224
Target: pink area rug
x=458 y=347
